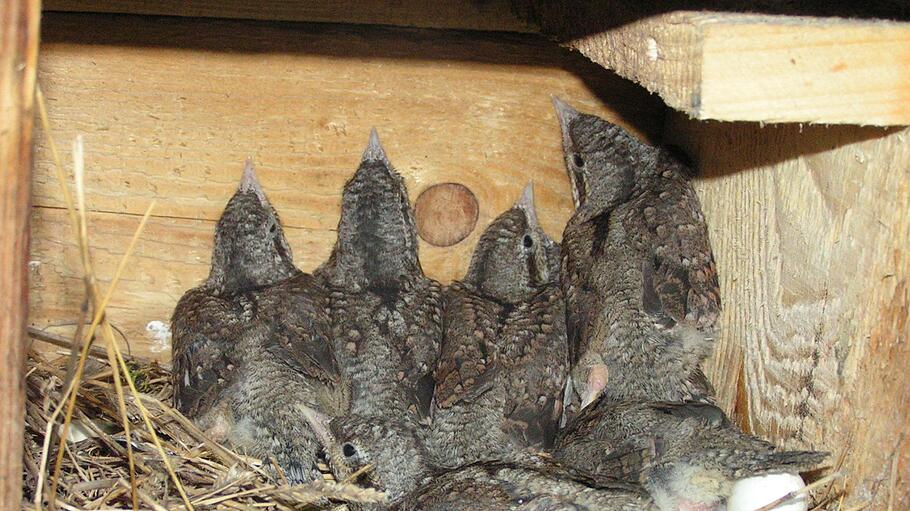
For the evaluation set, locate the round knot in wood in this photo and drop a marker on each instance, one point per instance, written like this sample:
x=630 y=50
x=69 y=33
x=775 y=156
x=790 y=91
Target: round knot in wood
x=445 y=213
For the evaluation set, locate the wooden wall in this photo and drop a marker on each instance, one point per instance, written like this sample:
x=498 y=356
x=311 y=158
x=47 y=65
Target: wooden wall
x=811 y=230
x=171 y=107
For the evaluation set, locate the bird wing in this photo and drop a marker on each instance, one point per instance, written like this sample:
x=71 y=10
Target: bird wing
x=205 y=329
x=467 y=359
x=607 y=441
x=533 y=348
x=467 y=489
x=577 y=260
x=300 y=329
x=422 y=343
x=709 y=414
x=679 y=276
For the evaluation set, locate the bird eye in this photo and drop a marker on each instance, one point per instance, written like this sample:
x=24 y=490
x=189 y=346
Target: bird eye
x=272 y=228
x=578 y=160
x=348 y=450
x=527 y=241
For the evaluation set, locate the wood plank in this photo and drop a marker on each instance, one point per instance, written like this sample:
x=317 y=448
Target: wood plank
x=19 y=24
x=170 y=109
x=810 y=228
x=748 y=67
x=172 y=257
x=459 y=14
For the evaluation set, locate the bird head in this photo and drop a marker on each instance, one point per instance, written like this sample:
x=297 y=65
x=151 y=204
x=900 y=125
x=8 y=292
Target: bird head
x=393 y=449
x=514 y=256
x=250 y=248
x=377 y=240
x=602 y=159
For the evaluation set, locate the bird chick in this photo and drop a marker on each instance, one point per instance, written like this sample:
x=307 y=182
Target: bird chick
x=386 y=315
x=503 y=486
x=504 y=360
x=412 y=478
x=391 y=452
x=252 y=359
x=638 y=272
x=687 y=455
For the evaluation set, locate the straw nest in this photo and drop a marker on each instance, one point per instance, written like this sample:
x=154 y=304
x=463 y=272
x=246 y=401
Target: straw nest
x=95 y=471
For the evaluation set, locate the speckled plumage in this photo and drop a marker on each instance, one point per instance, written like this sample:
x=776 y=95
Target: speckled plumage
x=386 y=315
x=507 y=487
x=252 y=361
x=688 y=455
x=413 y=479
x=504 y=361
x=395 y=448
x=638 y=271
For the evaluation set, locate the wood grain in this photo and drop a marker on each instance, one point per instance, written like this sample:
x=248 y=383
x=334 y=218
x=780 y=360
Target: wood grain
x=19 y=24
x=810 y=228
x=461 y=14
x=171 y=108
x=746 y=67
x=445 y=214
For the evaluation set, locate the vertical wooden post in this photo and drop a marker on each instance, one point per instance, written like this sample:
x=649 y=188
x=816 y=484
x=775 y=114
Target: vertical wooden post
x=19 y=25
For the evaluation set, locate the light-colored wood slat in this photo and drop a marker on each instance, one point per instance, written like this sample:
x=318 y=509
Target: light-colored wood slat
x=778 y=69
x=740 y=67
x=172 y=257
x=19 y=25
x=810 y=230
x=170 y=110
x=460 y=14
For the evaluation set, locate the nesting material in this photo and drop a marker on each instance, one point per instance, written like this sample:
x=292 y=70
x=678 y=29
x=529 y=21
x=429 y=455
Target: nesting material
x=95 y=470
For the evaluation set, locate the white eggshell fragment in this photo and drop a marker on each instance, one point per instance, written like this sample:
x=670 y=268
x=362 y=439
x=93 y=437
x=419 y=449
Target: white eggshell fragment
x=752 y=493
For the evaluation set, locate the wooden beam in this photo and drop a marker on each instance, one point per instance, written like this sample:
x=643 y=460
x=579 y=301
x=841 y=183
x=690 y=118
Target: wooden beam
x=460 y=14
x=810 y=227
x=746 y=67
x=19 y=24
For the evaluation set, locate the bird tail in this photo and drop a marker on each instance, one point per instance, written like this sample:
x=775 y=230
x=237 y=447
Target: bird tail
x=786 y=461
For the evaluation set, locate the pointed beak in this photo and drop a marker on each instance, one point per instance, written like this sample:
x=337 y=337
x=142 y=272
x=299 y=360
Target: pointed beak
x=597 y=381
x=566 y=114
x=319 y=423
x=526 y=203
x=374 y=150
x=250 y=183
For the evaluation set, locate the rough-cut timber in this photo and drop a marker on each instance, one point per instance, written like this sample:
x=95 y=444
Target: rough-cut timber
x=460 y=14
x=746 y=67
x=171 y=108
x=811 y=230
x=19 y=23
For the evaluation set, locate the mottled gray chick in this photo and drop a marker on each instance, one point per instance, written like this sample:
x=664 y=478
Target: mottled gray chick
x=638 y=273
x=687 y=455
x=504 y=361
x=252 y=358
x=507 y=487
x=412 y=478
x=395 y=449
x=386 y=315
